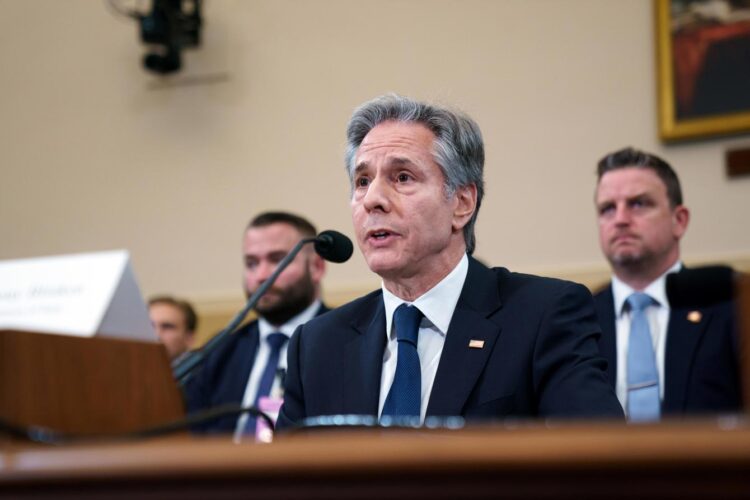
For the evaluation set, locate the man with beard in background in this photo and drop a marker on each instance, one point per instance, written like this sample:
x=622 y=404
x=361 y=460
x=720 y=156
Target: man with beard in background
x=251 y=363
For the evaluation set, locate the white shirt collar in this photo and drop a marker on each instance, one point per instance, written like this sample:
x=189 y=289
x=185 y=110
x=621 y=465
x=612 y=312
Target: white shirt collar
x=437 y=304
x=657 y=290
x=265 y=328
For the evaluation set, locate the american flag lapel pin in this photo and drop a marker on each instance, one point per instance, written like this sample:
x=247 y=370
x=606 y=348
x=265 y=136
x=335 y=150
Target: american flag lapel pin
x=694 y=316
x=476 y=344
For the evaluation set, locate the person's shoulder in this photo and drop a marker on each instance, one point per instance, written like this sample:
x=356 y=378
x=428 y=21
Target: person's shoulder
x=248 y=328
x=244 y=333
x=515 y=282
x=603 y=292
x=347 y=312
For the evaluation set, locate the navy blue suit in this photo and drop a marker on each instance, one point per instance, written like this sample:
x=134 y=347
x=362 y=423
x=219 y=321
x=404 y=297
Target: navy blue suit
x=223 y=377
x=701 y=373
x=539 y=358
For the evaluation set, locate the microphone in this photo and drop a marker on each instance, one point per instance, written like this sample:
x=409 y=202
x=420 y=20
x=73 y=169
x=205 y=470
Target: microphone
x=333 y=246
x=371 y=421
x=700 y=287
x=330 y=245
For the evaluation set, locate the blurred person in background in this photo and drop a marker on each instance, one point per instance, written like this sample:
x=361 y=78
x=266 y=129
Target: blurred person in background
x=174 y=322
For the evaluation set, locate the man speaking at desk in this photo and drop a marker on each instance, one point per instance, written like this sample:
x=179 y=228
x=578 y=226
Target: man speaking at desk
x=445 y=335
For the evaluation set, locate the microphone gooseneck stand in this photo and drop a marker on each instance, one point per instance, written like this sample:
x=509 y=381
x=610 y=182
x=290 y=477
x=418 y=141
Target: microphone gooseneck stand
x=331 y=245
x=184 y=370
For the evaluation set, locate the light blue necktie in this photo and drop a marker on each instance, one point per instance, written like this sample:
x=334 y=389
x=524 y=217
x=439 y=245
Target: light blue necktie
x=275 y=341
x=405 y=395
x=644 y=404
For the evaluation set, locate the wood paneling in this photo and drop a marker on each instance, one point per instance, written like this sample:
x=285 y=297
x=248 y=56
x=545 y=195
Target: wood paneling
x=85 y=385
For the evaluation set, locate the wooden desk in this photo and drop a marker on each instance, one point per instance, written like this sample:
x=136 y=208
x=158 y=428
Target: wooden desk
x=687 y=460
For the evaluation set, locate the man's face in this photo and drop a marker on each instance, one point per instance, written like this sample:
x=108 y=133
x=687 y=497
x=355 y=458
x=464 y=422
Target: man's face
x=170 y=326
x=405 y=224
x=637 y=226
x=296 y=287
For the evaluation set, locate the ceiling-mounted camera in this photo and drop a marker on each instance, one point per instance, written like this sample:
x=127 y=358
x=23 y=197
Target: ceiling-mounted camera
x=169 y=27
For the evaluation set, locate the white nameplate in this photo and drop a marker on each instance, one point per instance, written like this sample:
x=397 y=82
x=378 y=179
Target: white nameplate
x=83 y=295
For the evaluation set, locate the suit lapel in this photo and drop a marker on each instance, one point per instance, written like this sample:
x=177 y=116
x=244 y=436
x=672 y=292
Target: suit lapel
x=683 y=337
x=242 y=356
x=460 y=365
x=363 y=357
x=608 y=341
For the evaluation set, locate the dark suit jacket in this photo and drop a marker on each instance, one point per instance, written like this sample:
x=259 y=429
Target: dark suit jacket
x=223 y=377
x=540 y=356
x=701 y=373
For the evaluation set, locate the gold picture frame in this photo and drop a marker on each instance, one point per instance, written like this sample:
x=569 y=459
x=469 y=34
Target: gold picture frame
x=693 y=100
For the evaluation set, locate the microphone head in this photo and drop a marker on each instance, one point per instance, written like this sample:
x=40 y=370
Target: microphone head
x=333 y=246
x=700 y=287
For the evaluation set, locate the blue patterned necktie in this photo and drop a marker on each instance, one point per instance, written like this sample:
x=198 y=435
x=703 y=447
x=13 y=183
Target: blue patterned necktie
x=405 y=395
x=644 y=404
x=275 y=341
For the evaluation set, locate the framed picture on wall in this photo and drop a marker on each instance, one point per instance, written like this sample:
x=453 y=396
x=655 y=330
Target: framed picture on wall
x=703 y=54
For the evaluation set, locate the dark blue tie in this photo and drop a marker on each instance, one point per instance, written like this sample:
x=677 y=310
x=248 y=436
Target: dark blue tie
x=643 y=377
x=405 y=395
x=275 y=341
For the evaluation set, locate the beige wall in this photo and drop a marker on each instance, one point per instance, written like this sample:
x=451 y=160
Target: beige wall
x=97 y=154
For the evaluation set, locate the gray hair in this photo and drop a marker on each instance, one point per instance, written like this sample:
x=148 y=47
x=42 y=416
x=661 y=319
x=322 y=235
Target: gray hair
x=458 y=148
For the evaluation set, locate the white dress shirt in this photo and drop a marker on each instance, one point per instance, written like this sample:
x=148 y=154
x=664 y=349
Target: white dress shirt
x=261 y=359
x=437 y=306
x=658 y=320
